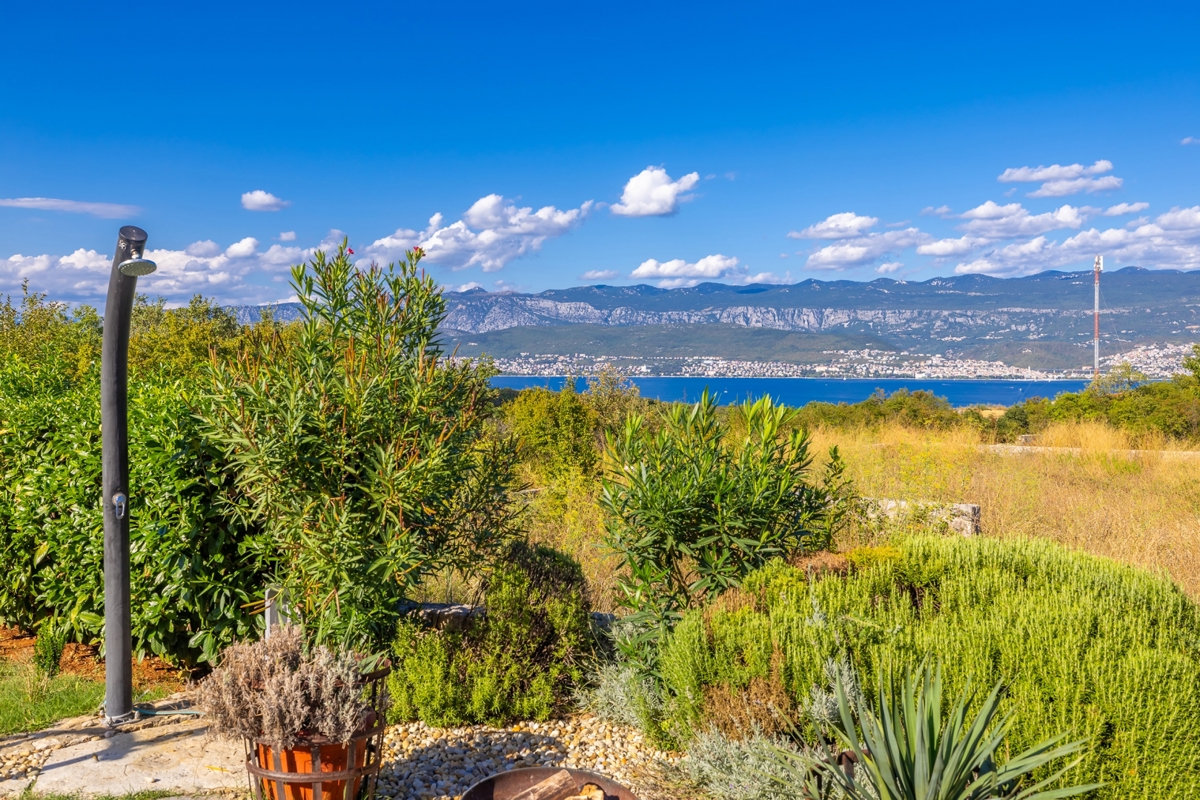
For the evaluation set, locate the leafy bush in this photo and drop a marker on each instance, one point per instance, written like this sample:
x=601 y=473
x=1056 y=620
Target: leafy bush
x=555 y=429
x=48 y=647
x=189 y=581
x=691 y=513
x=358 y=451
x=520 y=661
x=1082 y=646
x=918 y=409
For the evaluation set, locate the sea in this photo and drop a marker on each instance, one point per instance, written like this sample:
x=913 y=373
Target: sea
x=798 y=391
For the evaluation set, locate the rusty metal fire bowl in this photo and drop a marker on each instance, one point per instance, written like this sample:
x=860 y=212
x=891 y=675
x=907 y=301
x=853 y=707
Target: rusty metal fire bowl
x=506 y=785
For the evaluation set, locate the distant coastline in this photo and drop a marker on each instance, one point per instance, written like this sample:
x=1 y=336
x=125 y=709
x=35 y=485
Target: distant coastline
x=960 y=392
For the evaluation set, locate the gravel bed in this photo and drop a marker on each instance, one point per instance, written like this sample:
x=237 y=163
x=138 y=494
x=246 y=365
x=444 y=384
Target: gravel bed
x=442 y=763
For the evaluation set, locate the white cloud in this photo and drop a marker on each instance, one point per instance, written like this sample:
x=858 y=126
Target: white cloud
x=1054 y=172
x=205 y=248
x=242 y=249
x=1171 y=240
x=287 y=236
x=652 y=193
x=258 y=200
x=278 y=255
x=491 y=233
x=949 y=247
x=103 y=210
x=864 y=250
x=466 y=287
x=678 y=272
x=1060 y=181
x=889 y=267
x=1190 y=140
x=682 y=273
x=1076 y=185
x=837 y=226
x=993 y=222
x=599 y=275
x=941 y=211
x=1120 y=209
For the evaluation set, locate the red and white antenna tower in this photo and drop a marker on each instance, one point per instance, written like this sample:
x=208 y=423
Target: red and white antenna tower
x=1098 y=268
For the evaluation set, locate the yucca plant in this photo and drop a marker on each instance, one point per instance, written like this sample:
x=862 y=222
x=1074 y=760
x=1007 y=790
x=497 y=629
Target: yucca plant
x=903 y=748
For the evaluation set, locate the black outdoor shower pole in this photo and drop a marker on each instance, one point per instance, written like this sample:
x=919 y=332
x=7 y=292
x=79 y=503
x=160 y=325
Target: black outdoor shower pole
x=128 y=264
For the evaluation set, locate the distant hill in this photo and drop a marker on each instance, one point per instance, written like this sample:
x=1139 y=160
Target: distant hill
x=1042 y=320
x=670 y=341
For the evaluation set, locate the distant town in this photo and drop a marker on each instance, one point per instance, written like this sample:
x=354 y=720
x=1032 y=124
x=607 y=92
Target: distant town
x=1155 y=361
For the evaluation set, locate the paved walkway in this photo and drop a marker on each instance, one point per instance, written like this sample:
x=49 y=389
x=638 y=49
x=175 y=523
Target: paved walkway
x=179 y=757
x=162 y=753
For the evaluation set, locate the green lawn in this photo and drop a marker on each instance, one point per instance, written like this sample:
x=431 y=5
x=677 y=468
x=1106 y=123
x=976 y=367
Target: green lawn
x=28 y=701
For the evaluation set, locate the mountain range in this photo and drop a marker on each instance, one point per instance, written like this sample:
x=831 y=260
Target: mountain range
x=1040 y=320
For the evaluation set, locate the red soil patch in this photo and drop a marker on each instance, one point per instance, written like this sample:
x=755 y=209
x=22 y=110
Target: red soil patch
x=83 y=660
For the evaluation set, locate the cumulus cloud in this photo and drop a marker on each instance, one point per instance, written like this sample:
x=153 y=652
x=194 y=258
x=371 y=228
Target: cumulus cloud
x=1121 y=209
x=103 y=210
x=652 y=193
x=204 y=248
x=287 y=236
x=993 y=221
x=246 y=247
x=466 y=287
x=82 y=276
x=949 y=247
x=1054 y=172
x=678 y=272
x=1172 y=239
x=889 y=267
x=258 y=200
x=599 y=275
x=1190 y=140
x=837 y=226
x=492 y=232
x=1076 y=185
x=864 y=250
x=1059 y=180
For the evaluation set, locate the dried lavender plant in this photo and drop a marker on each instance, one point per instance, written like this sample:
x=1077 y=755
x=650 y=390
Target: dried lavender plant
x=271 y=689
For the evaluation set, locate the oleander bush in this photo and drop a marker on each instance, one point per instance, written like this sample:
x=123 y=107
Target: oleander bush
x=521 y=660
x=692 y=508
x=1080 y=645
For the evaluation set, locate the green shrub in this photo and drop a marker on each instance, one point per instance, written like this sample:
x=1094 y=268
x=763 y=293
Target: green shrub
x=555 y=429
x=919 y=409
x=1082 y=646
x=48 y=647
x=189 y=580
x=521 y=660
x=692 y=511
x=357 y=451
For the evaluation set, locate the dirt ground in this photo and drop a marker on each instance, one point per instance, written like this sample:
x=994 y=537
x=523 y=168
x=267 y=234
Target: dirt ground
x=83 y=660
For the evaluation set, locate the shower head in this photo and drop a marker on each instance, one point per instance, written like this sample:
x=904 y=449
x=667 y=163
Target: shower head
x=137 y=267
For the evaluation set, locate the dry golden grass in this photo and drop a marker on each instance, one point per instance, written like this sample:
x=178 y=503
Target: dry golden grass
x=1142 y=508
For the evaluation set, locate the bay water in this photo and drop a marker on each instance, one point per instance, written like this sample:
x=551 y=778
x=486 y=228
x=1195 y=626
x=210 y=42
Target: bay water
x=798 y=391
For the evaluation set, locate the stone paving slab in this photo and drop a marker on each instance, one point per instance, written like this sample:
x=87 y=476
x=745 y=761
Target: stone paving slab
x=176 y=757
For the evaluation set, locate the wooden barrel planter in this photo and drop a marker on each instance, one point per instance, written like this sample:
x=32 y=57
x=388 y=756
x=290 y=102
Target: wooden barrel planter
x=317 y=769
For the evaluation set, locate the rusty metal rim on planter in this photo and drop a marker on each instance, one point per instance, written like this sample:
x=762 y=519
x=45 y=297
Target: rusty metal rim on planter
x=611 y=787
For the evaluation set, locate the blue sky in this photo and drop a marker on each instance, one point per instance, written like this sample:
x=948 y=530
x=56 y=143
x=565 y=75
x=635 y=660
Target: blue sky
x=658 y=143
